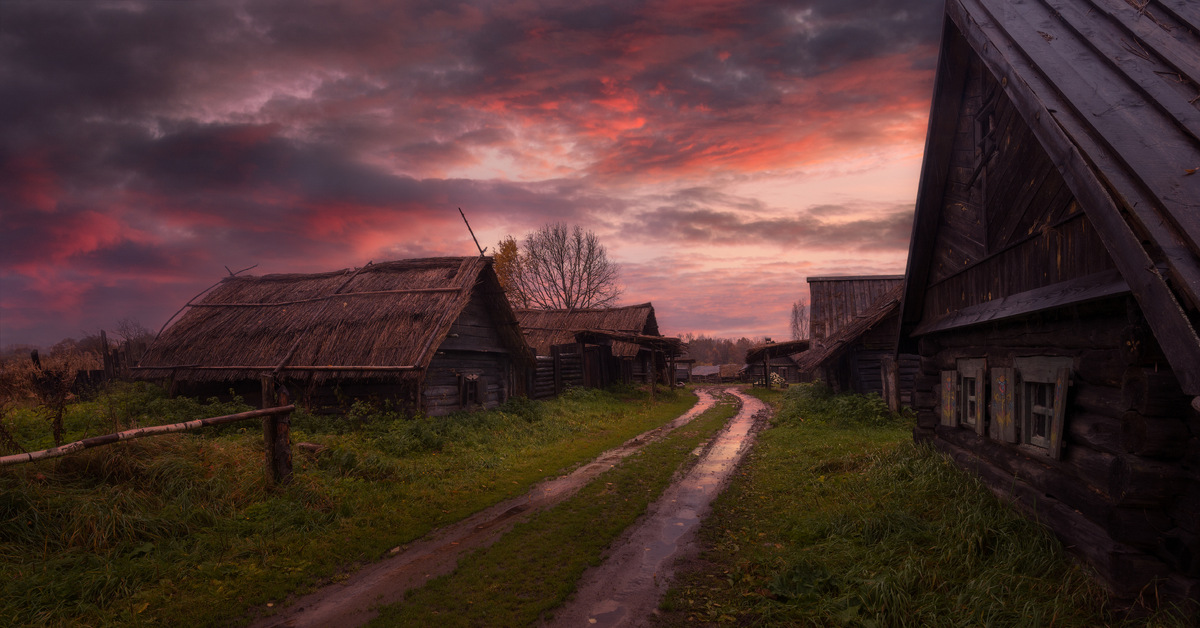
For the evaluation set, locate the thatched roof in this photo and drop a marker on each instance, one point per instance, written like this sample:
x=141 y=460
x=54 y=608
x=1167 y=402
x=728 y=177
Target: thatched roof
x=774 y=350
x=381 y=320
x=886 y=305
x=544 y=328
x=671 y=347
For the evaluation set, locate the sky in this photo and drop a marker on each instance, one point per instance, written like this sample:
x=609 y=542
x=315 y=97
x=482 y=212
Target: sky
x=722 y=151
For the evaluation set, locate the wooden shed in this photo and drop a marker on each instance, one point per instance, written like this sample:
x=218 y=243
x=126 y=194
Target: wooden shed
x=1053 y=286
x=854 y=322
x=436 y=335
x=777 y=358
x=546 y=329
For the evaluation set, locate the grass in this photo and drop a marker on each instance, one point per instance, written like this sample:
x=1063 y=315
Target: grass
x=838 y=519
x=181 y=529
x=536 y=566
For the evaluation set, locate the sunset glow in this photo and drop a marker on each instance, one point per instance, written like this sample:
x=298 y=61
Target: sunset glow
x=723 y=151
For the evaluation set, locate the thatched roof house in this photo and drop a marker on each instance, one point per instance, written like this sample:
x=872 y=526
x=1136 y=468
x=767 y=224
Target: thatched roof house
x=437 y=334
x=628 y=334
x=546 y=328
x=1053 y=287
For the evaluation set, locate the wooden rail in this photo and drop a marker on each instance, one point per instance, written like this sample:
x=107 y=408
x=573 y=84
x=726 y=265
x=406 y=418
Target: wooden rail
x=279 y=470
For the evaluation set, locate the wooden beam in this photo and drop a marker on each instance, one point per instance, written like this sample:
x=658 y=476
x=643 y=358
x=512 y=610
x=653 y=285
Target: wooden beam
x=141 y=432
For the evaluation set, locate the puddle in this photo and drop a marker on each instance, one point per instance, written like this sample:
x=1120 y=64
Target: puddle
x=352 y=602
x=628 y=586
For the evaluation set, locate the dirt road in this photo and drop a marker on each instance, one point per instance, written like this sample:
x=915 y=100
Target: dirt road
x=352 y=601
x=626 y=589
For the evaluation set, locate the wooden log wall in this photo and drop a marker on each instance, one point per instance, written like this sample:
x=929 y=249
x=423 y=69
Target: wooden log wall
x=442 y=393
x=1126 y=492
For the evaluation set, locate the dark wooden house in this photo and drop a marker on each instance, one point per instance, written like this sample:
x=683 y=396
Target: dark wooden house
x=1053 y=286
x=635 y=362
x=854 y=323
x=436 y=335
x=777 y=358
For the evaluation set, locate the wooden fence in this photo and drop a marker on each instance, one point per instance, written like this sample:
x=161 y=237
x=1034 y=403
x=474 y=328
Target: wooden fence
x=276 y=423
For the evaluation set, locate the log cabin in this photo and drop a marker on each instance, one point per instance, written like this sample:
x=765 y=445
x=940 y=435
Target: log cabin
x=634 y=362
x=1053 y=281
x=854 y=323
x=433 y=335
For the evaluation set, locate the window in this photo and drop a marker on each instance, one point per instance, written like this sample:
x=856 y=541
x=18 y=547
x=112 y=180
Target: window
x=963 y=395
x=1041 y=401
x=469 y=389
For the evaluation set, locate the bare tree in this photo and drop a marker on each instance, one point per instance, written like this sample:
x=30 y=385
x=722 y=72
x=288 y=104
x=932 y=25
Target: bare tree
x=800 y=319
x=567 y=268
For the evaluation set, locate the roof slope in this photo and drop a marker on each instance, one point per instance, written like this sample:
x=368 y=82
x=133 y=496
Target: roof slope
x=886 y=305
x=544 y=328
x=837 y=301
x=392 y=315
x=1110 y=91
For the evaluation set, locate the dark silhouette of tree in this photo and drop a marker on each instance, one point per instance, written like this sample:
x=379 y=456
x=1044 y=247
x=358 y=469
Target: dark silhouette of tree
x=800 y=320
x=566 y=268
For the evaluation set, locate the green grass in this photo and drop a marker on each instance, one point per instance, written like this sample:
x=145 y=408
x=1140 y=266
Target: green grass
x=838 y=519
x=535 y=566
x=181 y=529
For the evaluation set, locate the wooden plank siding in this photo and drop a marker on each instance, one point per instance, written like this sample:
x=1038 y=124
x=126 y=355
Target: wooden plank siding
x=1056 y=243
x=835 y=302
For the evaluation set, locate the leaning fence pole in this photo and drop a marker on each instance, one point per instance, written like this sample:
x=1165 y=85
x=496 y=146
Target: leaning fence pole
x=140 y=432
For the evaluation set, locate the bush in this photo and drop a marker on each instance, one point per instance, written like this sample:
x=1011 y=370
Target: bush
x=816 y=402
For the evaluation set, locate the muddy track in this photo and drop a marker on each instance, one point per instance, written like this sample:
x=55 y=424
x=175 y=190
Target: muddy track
x=626 y=588
x=352 y=602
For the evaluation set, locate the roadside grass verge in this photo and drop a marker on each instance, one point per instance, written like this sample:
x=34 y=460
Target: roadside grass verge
x=534 y=567
x=181 y=529
x=838 y=519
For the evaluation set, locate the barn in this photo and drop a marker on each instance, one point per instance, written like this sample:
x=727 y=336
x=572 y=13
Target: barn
x=1053 y=282
x=854 y=323
x=434 y=335
x=553 y=334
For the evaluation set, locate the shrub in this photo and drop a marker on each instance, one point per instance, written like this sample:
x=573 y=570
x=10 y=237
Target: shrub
x=816 y=402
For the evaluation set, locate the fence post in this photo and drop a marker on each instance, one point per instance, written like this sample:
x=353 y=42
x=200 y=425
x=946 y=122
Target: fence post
x=283 y=440
x=268 y=426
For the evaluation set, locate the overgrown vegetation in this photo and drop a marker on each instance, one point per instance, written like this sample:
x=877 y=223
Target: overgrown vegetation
x=536 y=566
x=838 y=519
x=182 y=529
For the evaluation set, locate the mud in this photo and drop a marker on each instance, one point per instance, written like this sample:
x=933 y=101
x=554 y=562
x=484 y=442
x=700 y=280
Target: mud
x=626 y=589
x=353 y=601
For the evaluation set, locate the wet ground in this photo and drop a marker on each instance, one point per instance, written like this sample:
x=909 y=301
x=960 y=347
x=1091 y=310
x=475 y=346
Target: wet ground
x=626 y=589
x=352 y=601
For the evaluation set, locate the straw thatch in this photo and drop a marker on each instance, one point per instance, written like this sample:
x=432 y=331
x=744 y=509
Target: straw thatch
x=545 y=328
x=381 y=321
x=775 y=350
x=669 y=346
x=887 y=304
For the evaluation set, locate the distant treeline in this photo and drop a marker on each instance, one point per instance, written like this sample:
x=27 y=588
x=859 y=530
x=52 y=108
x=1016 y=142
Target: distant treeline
x=714 y=351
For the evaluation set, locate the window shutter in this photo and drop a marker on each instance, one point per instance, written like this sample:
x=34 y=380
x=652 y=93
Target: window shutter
x=949 y=398
x=1004 y=407
x=1060 y=409
x=980 y=417
x=462 y=390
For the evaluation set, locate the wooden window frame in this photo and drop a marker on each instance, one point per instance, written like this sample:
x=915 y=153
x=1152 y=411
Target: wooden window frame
x=1042 y=380
x=471 y=390
x=964 y=391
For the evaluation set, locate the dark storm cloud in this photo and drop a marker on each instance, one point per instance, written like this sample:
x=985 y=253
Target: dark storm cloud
x=143 y=144
x=705 y=216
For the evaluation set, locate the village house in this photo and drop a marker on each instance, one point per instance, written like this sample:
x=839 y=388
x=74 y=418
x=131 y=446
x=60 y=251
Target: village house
x=1053 y=283
x=597 y=347
x=854 y=322
x=433 y=335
